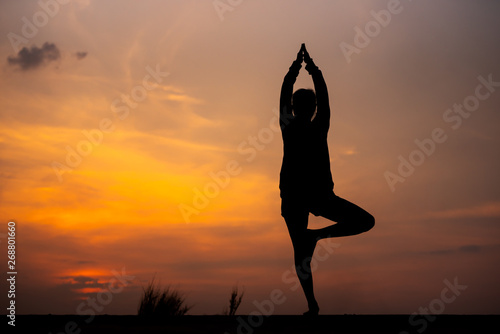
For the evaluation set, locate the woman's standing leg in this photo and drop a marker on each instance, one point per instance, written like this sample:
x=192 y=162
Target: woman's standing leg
x=304 y=243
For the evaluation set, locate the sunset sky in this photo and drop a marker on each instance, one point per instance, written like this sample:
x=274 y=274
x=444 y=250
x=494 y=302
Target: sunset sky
x=142 y=137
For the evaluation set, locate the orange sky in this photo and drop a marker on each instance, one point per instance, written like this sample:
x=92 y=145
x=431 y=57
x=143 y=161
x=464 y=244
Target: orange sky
x=161 y=101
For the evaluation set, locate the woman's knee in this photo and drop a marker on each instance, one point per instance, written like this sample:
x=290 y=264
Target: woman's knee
x=368 y=222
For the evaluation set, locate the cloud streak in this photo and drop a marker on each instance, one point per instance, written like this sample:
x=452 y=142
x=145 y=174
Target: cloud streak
x=485 y=210
x=462 y=249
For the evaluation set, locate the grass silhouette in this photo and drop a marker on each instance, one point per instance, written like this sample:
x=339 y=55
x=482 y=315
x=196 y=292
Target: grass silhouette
x=234 y=301
x=161 y=302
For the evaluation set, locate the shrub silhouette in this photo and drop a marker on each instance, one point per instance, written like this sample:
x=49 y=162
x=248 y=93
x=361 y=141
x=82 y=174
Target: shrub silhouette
x=158 y=302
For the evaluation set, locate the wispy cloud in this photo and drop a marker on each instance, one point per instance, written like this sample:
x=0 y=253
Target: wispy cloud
x=183 y=98
x=35 y=57
x=80 y=55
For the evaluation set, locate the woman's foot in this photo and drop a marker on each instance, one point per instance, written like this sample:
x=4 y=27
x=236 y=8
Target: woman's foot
x=313 y=310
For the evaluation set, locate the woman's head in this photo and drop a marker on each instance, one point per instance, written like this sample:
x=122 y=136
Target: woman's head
x=304 y=103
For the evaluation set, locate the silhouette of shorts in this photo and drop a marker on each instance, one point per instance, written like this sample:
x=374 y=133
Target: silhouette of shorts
x=317 y=204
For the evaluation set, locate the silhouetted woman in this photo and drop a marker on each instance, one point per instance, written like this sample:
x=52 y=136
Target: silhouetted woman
x=306 y=182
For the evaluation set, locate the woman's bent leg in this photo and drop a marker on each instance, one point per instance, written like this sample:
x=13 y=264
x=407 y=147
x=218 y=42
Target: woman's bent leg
x=350 y=219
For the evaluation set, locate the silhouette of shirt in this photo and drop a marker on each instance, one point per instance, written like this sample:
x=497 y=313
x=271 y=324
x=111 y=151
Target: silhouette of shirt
x=305 y=171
